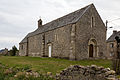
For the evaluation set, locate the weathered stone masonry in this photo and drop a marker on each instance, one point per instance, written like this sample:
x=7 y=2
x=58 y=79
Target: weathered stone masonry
x=78 y=35
x=93 y=72
x=58 y=38
x=87 y=34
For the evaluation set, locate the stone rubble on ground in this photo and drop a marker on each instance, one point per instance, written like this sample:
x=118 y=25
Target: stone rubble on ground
x=93 y=72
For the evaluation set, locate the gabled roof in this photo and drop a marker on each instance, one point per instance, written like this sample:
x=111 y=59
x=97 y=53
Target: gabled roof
x=65 y=20
x=112 y=37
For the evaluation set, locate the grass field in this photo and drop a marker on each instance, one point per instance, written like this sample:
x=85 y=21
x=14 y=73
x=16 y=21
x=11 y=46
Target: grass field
x=44 y=65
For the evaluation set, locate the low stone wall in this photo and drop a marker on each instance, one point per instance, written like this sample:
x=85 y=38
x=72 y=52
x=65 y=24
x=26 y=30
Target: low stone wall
x=92 y=72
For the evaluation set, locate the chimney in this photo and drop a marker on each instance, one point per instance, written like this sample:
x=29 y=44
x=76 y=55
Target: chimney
x=114 y=31
x=39 y=23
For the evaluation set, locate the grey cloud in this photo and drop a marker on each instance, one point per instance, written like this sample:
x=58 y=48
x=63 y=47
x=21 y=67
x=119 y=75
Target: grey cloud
x=18 y=17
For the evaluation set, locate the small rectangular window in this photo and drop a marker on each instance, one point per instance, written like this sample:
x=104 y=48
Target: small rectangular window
x=111 y=54
x=43 y=37
x=56 y=37
x=92 y=21
x=111 y=45
x=22 y=47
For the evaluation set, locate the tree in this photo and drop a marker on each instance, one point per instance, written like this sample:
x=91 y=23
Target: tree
x=117 y=39
x=13 y=51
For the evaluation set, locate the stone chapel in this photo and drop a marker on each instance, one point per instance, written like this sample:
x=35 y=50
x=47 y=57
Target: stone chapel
x=75 y=36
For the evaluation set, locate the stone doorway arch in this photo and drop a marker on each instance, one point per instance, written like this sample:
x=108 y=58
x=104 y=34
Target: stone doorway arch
x=92 y=48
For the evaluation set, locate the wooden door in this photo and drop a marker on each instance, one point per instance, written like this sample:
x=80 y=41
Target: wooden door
x=91 y=50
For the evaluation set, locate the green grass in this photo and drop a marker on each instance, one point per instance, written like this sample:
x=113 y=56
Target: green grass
x=44 y=65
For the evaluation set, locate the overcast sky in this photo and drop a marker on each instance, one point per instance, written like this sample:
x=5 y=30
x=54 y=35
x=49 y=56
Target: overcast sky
x=19 y=17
